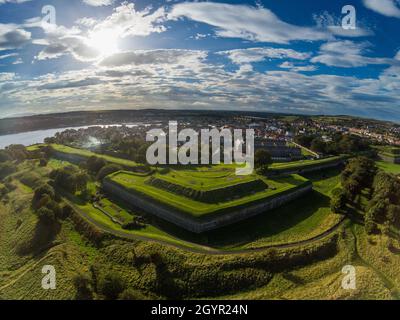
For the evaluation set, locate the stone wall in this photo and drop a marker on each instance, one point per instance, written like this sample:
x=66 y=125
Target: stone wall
x=199 y=225
x=395 y=159
x=306 y=169
x=73 y=158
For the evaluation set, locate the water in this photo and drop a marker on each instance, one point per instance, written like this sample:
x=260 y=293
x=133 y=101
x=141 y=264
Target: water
x=33 y=137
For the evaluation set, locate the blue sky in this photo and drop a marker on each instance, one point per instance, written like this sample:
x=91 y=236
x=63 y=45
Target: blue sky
x=273 y=55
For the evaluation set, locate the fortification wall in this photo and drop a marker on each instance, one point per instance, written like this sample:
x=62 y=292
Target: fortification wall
x=395 y=159
x=306 y=169
x=73 y=158
x=199 y=225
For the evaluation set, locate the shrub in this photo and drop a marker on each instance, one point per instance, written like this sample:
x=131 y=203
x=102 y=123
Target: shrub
x=262 y=158
x=133 y=225
x=108 y=169
x=83 y=286
x=6 y=168
x=46 y=216
x=131 y=294
x=111 y=286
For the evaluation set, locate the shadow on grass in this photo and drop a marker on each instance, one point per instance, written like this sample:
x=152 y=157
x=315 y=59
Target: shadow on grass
x=42 y=239
x=322 y=175
x=265 y=225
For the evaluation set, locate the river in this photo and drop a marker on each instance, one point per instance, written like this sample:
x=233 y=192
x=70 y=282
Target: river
x=33 y=137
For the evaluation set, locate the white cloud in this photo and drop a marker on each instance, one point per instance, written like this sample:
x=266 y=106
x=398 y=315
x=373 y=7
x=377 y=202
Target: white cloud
x=18 y=61
x=333 y=24
x=157 y=57
x=126 y=21
x=98 y=3
x=245 y=22
x=9 y=55
x=297 y=68
x=347 y=54
x=13 y=1
x=12 y=36
x=84 y=44
x=86 y=22
x=250 y=55
x=387 y=8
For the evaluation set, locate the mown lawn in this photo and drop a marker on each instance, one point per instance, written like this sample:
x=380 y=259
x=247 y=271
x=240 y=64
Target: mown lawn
x=389 y=167
x=302 y=163
x=136 y=183
x=88 y=154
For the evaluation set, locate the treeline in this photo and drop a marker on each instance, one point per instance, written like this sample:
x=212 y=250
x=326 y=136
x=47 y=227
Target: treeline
x=340 y=144
x=374 y=193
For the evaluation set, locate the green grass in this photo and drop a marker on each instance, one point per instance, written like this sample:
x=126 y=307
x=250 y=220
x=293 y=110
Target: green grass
x=115 y=210
x=388 y=167
x=302 y=164
x=137 y=184
x=296 y=221
x=88 y=154
x=205 y=180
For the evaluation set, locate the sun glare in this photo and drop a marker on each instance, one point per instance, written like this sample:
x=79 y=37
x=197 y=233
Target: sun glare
x=104 y=41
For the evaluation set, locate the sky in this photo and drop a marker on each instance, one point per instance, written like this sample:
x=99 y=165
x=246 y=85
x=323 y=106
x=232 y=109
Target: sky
x=286 y=56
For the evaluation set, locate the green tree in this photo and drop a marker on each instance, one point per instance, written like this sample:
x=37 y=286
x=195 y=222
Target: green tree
x=111 y=286
x=108 y=169
x=83 y=286
x=262 y=158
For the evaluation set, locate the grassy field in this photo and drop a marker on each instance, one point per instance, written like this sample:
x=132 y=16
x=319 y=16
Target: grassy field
x=205 y=179
x=25 y=248
x=302 y=164
x=88 y=154
x=137 y=184
x=389 y=167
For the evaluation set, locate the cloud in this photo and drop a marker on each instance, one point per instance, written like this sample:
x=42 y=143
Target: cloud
x=98 y=3
x=333 y=24
x=155 y=57
x=126 y=21
x=9 y=55
x=245 y=22
x=12 y=36
x=387 y=8
x=347 y=54
x=13 y=1
x=243 y=56
x=297 y=68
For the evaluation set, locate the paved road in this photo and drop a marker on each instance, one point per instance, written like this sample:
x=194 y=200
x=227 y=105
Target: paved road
x=203 y=249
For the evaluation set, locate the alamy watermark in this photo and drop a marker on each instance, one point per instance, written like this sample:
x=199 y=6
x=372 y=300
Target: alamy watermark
x=191 y=147
x=49 y=280
x=349 y=280
x=349 y=20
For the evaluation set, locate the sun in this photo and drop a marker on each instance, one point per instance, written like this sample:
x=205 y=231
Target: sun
x=104 y=41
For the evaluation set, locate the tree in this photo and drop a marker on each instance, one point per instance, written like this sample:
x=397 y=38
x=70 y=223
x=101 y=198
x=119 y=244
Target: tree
x=4 y=156
x=108 y=169
x=338 y=200
x=46 y=192
x=111 y=286
x=46 y=216
x=318 y=145
x=94 y=164
x=17 y=152
x=81 y=181
x=6 y=169
x=83 y=286
x=131 y=294
x=262 y=158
